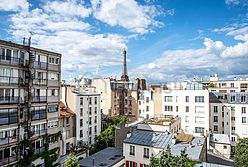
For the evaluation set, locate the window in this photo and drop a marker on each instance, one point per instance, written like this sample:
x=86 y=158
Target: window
x=187 y=119
x=52 y=124
x=224 y=147
x=233 y=109
x=215 y=128
x=215 y=118
x=232 y=85
x=176 y=98
x=223 y=124
x=233 y=128
x=243 y=110
x=53 y=92
x=200 y=109
x=95 y=119
x=90 y=120
x=223 y=114
x=67 y=120
x=147 y=99
x=168 y=108
x=95 y=110
x=233 y=139
x=139 y=111
x=215 y=109
x=95 y=129
x=243 y=120
x=81 y=122
x=90 y=101
x=233 y=119
x=168 y=98
x=57 y=61
x=232 y=98
x=186 y=98
x=53 y=108
x=81 y=112
x=68 y=135
x=139 y=102
x=223 y=108
x=146 y=152
x=95 y=100
x=243 y=98
x=81 y=101
x=132 y=150
x=199 y=130
x=199 y=99
x=81 y=133
x=147 y=108
x=176 y=108
x=53 y=60
x=187 y=109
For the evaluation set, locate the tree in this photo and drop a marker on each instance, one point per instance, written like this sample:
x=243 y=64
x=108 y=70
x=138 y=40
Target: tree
x=71 y=161
x=241 y=153
x=107 y=137
x=166 y=159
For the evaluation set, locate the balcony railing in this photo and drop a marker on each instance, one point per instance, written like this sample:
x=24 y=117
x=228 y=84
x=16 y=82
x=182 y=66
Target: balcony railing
x=39 y=150
x=39 y=82
x=8 y=80
x=8 y=120
x=8 y=99
x=8 y=160
x=40 y=65
x=9 y=60
x=38 y=116
x=39 y=133
x=8 y=140
x=39 y=99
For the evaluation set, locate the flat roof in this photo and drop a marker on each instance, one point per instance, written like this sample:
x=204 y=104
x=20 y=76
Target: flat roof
x=220 y=138
x=104 y=158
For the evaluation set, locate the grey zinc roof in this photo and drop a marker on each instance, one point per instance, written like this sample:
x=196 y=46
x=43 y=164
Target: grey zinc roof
x=220 y=138
x=107 y=158
x=192 y=152
x=204 y=164
x=149 y=138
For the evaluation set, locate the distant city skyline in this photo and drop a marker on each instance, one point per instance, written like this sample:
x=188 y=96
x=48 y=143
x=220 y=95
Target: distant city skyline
x=170 y=40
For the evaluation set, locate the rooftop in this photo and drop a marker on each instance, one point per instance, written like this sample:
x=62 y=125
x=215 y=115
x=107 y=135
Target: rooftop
x=107 y=157
x=205 y=164
x=220 y=138
x=64 y=111
x=149 y=138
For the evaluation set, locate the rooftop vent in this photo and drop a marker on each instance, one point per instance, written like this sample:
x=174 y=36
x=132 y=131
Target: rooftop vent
x=103 y=164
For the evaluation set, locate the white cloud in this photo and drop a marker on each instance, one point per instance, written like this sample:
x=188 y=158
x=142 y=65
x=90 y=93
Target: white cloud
x=232 y=2
x=126 y=13
x=13 y=5
x=179 y=65
x=56 y=30
x=67 y=8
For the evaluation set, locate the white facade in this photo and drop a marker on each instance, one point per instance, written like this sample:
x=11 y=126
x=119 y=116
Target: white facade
x=85 y=103
x=146 y=104
x=191 y=105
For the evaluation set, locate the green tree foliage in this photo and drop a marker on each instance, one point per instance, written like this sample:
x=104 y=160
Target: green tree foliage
x=71 y=161
x=241 y=153
x=107 y=137
x=168 y=160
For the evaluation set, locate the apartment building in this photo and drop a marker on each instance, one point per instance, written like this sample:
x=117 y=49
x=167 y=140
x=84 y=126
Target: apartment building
x=84 y=101
x=228 y=114
x=227 y=86
x=29 y=102
x=191 y=104
x=146 y=104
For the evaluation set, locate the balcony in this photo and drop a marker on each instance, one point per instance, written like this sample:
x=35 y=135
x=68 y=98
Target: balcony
x=8 y=160
x=39 y=82
x=39 y=150
x=8 y=140
x=38 y=99
x=8 y=99
x=9 y=60
x=7 y=80
x=39 y=65
x=39 y=133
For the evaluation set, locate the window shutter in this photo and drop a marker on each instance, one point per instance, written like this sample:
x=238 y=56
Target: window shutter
x=141 y=165
x=135 y=164
x=127 y=163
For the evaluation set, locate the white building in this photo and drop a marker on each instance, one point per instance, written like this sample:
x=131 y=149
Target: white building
x=228 y=114
x=191 y=105
x=85 y=103
x=146 y=104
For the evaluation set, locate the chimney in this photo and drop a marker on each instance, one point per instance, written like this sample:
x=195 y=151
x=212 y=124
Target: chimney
x=93 y=161
x=190 y=144
x=174 y=139
x=240 y=79
x=129 y=134
x=235 y=78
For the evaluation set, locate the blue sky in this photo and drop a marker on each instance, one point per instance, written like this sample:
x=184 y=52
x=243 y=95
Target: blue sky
x=166 y=40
